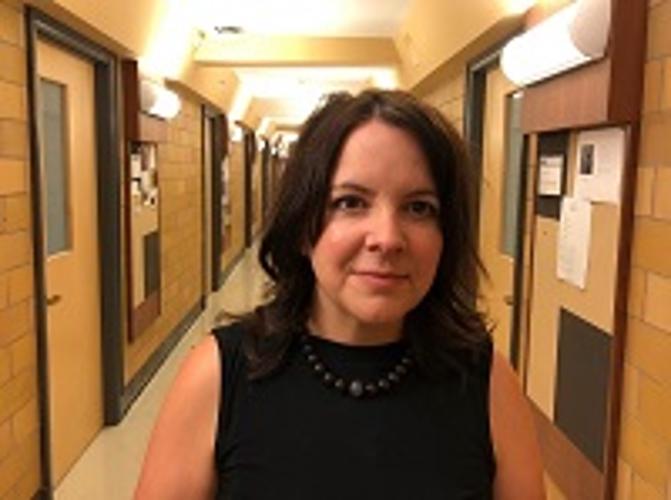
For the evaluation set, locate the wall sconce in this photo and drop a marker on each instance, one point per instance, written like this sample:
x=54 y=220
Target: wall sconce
x=158 y=101
x=575 y=35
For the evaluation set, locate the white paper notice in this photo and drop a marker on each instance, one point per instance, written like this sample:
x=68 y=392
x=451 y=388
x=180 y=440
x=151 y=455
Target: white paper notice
x=599 y=165
x=550 y=175
x=575 y=225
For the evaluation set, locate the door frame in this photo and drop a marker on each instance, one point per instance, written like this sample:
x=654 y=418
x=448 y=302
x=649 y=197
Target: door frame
x=474 y=127
x=219 y=151
x=108 y=169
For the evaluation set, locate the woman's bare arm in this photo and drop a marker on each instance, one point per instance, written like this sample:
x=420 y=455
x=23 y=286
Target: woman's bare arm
x=179 y=462
x=519 y=469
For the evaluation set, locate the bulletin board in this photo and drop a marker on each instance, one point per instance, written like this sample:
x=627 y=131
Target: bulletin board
x=571 y=360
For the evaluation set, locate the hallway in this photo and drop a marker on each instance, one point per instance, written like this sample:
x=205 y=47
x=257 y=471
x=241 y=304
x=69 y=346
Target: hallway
x=131 y=208
x=109 y=468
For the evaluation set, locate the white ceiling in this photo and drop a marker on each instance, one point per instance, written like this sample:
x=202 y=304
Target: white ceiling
x=305 y=17
x=297 y=81
x=330 y=18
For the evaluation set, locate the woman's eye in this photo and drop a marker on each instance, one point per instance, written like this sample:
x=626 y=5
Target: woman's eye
x=422 y=209
x=348 y=203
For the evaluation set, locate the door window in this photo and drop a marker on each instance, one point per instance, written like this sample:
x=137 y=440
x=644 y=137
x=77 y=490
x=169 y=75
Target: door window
x=510 y=199
x=55 y=160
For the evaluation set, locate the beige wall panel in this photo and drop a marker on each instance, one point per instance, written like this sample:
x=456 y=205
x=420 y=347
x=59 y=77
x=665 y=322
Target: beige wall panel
x=294 y=50
x=424 y=43
x=544 y=318
x=594 y=304
x=448 y=97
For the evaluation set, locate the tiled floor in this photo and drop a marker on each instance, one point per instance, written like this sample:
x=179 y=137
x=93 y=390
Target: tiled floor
x=109 y=468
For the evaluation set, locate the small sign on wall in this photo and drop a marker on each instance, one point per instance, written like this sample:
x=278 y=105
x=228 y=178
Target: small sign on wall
x=599 y=165
x=551 y=175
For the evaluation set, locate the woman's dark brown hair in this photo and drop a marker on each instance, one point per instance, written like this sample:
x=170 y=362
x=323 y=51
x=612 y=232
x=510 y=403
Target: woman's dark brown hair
x=445 y=323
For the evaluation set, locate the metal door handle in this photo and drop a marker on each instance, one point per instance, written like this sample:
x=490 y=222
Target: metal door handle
x=508 y=299
x=53 y=300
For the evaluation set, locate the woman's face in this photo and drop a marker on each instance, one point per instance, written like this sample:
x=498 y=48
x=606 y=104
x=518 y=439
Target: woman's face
x=378 y=252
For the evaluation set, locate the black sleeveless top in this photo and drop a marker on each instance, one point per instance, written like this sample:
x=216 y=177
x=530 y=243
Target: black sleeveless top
x=288 y=437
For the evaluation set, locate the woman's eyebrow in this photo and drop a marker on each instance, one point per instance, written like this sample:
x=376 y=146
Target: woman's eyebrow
x=353 y=186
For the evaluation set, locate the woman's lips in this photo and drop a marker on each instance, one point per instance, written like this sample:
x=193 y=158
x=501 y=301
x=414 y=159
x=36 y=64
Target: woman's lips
x=381 y=279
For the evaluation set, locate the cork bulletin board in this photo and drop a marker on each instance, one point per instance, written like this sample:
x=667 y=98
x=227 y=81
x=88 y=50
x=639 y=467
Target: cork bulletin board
x=570 y=355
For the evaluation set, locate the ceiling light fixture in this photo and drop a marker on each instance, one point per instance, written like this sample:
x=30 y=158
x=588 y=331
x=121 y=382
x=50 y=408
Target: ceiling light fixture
x=575 y=35
x=158 y=101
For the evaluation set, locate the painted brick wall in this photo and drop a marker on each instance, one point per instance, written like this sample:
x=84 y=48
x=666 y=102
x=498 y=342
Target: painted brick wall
x=645 y=450
x=180 y=205
x=19 y=438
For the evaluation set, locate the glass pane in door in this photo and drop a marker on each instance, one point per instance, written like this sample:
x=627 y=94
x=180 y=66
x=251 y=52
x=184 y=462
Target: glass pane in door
x=55 y=161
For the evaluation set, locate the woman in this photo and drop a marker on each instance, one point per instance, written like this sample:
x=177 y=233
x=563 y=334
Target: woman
x=368 y=374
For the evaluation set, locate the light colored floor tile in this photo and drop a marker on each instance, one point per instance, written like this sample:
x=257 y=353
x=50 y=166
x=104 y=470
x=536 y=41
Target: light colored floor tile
x=110 y=466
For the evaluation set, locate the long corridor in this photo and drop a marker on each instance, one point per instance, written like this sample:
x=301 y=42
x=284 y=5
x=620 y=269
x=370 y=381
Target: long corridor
x=109 y=468
x=143 y=145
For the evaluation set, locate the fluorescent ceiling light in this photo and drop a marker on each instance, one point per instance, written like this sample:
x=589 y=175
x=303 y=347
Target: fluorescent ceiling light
x=575 y=35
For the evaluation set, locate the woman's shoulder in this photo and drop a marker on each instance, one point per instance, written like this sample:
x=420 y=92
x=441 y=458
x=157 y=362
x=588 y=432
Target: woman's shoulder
x=183 y=438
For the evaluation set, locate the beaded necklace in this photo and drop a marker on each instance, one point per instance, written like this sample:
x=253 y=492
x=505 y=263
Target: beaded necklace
x=356 y=387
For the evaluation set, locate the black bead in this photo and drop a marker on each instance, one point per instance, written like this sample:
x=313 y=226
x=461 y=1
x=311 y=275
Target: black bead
x=400 y=369
x=307 y=348
x=392 y=377
x=356 y=388
x=383 y=384
x=406 y=361
x=371 y=389
x=339 y=384
x=312 y=358
x=328 y=378
x=319 y=367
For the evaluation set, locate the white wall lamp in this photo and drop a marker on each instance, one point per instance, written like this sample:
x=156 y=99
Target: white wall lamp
x=575 y=35
x=158 y=101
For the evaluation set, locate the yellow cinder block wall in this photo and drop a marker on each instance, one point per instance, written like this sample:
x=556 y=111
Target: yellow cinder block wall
x=180 y=173
x=645 y=449
x=19 y=433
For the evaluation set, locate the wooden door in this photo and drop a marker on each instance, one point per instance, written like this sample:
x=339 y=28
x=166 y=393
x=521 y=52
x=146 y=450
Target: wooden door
x=497 y=200
x=68 y=159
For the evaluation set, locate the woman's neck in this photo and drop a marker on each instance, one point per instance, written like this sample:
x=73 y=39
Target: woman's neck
x=352 y=331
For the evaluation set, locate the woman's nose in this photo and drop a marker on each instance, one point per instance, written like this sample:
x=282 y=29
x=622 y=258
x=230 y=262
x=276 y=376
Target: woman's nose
x=385 y=232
